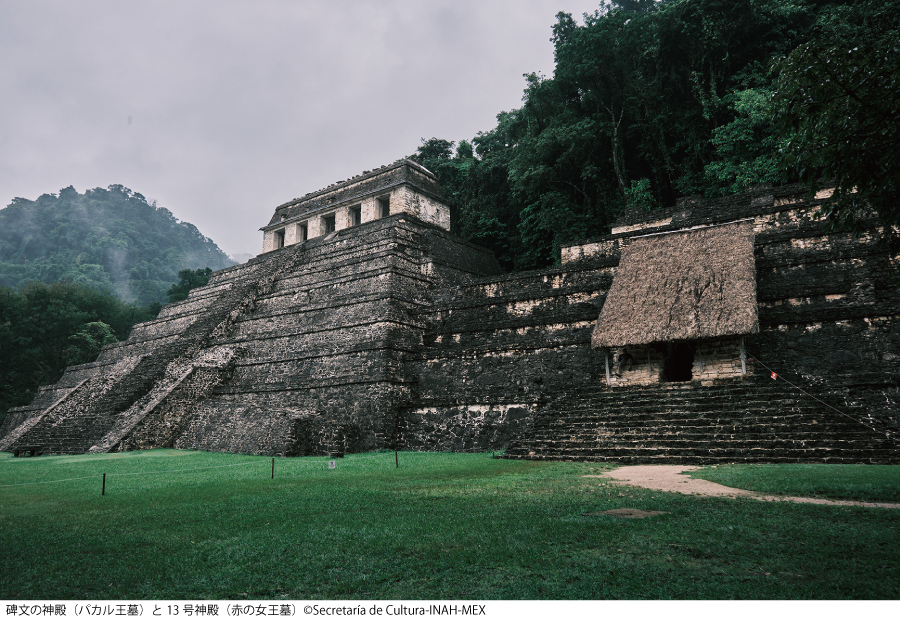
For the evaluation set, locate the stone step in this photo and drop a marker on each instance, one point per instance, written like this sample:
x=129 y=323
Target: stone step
x=705 y=459
x=584 y=418
x=698 y=398
x=802 y=420
x=719 y=445
x=710 y=418
x=762 y=453
x=799 y=420
x=769 y=401
x=733 y=439
x=760 y=449
x=691 y=422
x=708 y=435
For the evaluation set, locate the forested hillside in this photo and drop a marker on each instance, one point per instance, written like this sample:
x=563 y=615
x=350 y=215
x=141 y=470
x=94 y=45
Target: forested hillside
x=44 y=328
x=110 y=240
x=651 y=101
x=78 y=270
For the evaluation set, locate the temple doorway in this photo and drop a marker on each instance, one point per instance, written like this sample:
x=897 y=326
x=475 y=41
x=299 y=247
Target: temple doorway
x=678 y=361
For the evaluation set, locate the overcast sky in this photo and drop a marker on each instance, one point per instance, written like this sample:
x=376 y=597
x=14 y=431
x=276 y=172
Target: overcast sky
x=222 y=110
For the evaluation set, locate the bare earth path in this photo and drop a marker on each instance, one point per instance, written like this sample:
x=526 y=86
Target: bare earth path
x=673 y=479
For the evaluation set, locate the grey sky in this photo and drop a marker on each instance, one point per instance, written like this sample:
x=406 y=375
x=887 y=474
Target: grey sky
x=221 y=110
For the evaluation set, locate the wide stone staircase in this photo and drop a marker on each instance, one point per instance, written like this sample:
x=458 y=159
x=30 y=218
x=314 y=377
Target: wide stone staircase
x=751 y=420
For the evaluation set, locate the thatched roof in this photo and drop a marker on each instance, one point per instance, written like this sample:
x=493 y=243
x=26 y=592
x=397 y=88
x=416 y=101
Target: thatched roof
x=682 y=286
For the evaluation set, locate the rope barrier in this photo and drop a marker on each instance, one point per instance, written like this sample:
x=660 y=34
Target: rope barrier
x=169 y=471
x=190 y=469
x=776 y=376
x=46 y=482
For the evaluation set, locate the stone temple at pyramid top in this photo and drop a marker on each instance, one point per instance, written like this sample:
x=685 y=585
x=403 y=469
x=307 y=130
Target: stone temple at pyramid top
x=402 y=187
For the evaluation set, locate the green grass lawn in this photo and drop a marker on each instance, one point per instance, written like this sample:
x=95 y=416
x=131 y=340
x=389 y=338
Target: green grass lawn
x=870 y=483
x=442 y=526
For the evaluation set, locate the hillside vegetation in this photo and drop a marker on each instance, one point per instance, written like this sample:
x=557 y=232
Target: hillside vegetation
x=77 y=271
x=44 y=328
x=110 y=240
x=652 y=101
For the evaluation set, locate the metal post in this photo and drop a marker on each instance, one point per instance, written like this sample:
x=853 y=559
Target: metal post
x=396 y=459
x=273 y=468
x=103 y=490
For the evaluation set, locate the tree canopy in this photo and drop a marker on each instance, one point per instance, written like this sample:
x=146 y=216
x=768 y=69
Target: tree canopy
x=838 y=99
x=650 y=101
x=112 y=240
x=188 y=280
x=44 y=328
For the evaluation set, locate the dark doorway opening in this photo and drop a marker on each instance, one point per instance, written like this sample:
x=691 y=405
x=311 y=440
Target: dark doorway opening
x=384 y=206
x=678 y=361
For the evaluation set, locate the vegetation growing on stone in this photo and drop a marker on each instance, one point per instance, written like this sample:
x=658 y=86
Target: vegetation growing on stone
x=188 y=280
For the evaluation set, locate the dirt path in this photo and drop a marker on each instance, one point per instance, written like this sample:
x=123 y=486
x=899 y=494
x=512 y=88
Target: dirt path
x=673 y=479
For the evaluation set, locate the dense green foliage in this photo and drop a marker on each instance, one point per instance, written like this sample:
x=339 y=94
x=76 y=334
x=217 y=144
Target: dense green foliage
x=838 y=99
x=441 y=526
x=111 y=240
x=188 y=280
x=44 y=328
x=97 y=249
x=652 y=101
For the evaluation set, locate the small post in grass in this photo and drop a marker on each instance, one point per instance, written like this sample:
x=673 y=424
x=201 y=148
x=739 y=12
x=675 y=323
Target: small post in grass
x=273 y=468
x=396 y=459
x=103 y=489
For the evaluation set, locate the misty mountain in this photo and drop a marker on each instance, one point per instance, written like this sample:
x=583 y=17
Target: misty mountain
x=241 y=258
x=108 y=239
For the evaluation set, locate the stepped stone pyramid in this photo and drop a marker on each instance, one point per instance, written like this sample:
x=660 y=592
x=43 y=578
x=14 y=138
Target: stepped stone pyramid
x=366 y=324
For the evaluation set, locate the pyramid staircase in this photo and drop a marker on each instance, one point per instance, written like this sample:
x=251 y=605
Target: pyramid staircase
x=95 y=416
x=750 y=420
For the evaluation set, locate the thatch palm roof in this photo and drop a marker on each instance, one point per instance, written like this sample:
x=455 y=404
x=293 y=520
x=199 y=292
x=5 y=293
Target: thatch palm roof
x=682 y=286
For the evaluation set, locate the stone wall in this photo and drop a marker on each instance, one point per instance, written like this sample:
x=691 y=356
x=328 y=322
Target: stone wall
x=402 y=187
x=635 y=365
x=720 y=359
x=496 y=349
